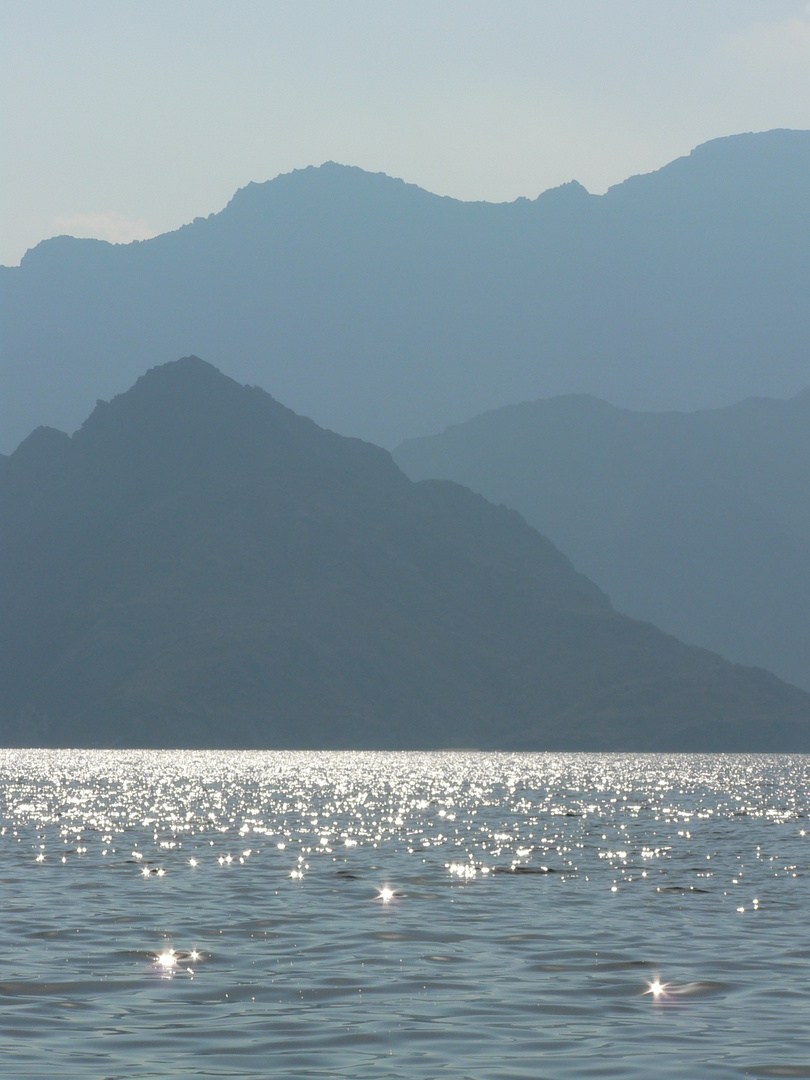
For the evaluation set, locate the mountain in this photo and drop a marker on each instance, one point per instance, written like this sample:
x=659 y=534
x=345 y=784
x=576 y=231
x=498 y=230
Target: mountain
x=386 y=312
x=200 y=566
x=698 y=522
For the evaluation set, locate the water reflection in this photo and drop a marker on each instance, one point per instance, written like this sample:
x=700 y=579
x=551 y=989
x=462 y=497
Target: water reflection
x=533 y=903
x=167 y=960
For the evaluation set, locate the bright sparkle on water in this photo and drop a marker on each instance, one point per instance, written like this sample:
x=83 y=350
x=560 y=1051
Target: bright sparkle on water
x=541 y=903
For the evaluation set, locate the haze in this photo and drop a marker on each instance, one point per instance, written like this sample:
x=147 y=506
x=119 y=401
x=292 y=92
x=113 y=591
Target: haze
x=121 y=121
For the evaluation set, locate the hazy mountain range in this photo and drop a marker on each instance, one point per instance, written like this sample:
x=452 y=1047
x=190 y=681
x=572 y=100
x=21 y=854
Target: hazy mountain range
x=699 y=522
x=386 y=312
x=199 y=566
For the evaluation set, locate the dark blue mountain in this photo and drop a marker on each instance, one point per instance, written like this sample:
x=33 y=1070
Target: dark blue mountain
x=199 y=566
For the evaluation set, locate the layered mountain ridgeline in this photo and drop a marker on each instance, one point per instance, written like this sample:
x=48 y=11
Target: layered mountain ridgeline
x=699 y=522
x=200 y=566
x=386 y=312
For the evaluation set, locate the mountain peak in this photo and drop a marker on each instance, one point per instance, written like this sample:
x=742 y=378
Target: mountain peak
x=171 y=392
x=346 y=186
x=41 y=445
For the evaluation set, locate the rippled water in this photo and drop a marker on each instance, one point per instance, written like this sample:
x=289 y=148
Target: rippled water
x=170 y=914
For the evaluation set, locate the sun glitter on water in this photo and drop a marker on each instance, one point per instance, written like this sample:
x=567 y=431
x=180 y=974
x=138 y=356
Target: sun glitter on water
x=170 y=962
x=167 y=960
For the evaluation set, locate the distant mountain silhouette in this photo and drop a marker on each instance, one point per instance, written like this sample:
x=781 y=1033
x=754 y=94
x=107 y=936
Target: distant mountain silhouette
x=699 y=522
x=386 y=312
x=200 y=566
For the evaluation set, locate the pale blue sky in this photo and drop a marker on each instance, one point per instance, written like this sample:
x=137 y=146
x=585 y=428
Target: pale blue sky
x=123 y=119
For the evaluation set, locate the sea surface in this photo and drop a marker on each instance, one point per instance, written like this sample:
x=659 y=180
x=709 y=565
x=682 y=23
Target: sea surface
x=423 y=916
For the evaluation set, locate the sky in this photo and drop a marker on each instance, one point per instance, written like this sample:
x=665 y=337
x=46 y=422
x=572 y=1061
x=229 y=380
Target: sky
x=126 y=119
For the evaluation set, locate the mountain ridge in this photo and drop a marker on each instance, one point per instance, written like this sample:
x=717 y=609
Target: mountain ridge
x=387 y=312
x=200 y=566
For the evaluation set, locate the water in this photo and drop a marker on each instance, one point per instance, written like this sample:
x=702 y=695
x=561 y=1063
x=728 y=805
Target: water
x=178 y=914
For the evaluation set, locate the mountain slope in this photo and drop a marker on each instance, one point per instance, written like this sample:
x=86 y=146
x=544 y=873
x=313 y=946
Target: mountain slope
x=198 y=565
x=386 y=312
x=699 y=522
